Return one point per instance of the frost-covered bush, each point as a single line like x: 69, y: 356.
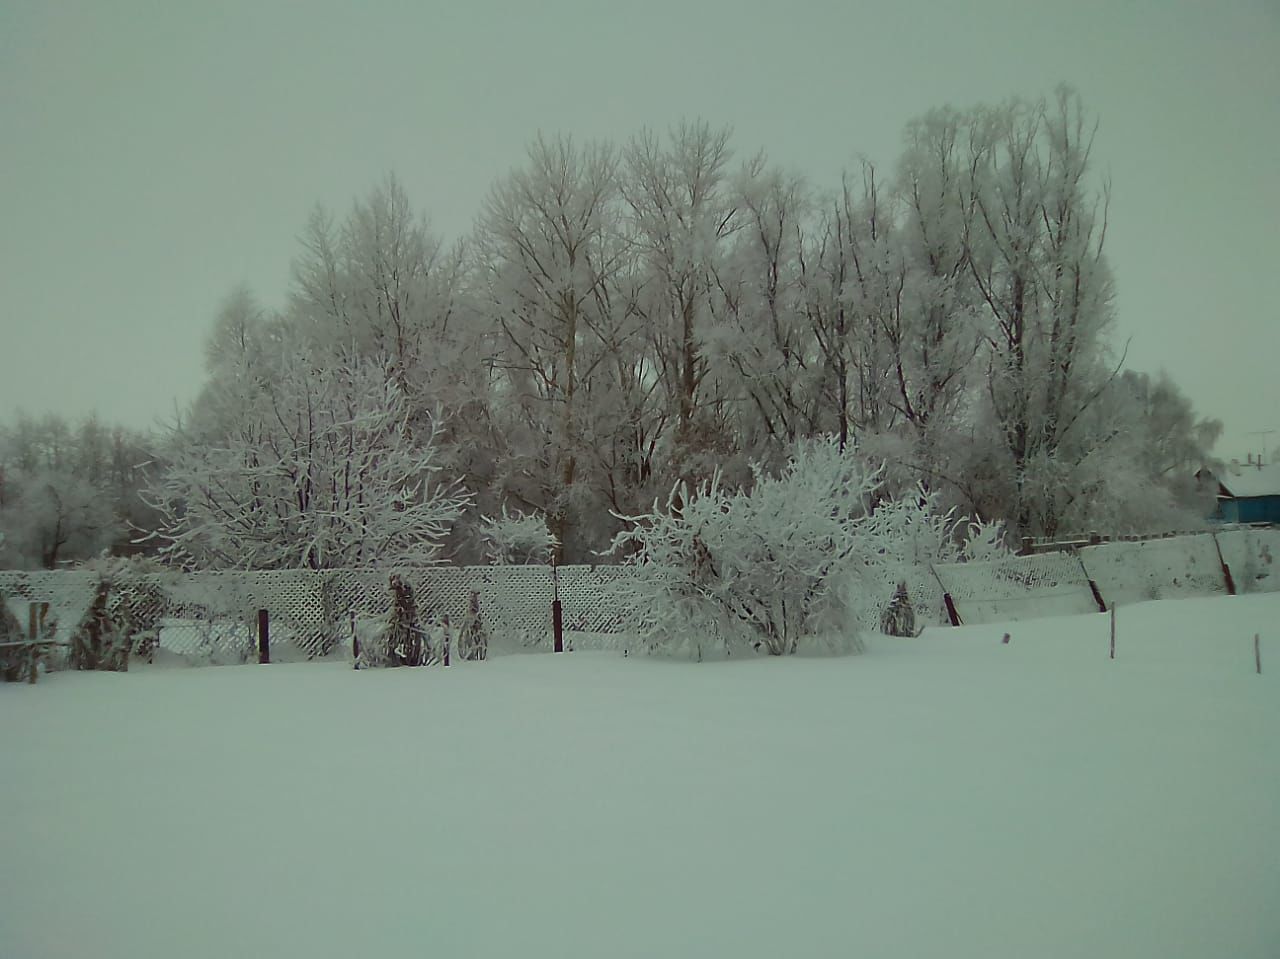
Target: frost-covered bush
x: 517, y: 539
x: 722, y: 570
x: 137, y: 597
x: 11, y: 660
x: 899, y: 618
x: 808, y: 556
x: 985, y: 542
x: 400, y: 640
x: 915, y: 531
x: 473, y: 640
x: 102, y: 639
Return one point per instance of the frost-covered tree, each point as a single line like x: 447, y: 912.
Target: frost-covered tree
x: 1035, y: 251
x: 1145, y: 445
x: 67, y: 492
x: 290, y: 462
x: 842, y: 316
x: 54, y: 517
x: 682, y: 213
x: 381, y: 284
x: 551, y: 258
x: 766, y: 348
x: 625, y: 318
x: 937, y: 340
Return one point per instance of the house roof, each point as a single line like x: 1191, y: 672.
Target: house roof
x: 1248, y: 482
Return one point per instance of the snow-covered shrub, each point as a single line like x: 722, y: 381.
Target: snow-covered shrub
x: 473, y: 640
x: 985, y: 542
x: 137, y: 597
x: 517, y: 539
x: 808, y: 556
x: 102, y: 639
x: 764, y: 570
x: 10, y: 632
x: 401, y: 640
x: 915, y: 531
x: 899, y: 617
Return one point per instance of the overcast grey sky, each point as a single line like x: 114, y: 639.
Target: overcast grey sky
x: 154, y: 155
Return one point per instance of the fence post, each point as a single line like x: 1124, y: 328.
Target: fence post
x: 1093, y: 586
x: 952, y: 614
x: 1226, y: 570
x: 1257, y: 653
x: 264, y: 637
x: 557, y: 612
x: 946, y: 598
x: 1113, y: 630
x: 1097, y: 597
x: 447, y: 637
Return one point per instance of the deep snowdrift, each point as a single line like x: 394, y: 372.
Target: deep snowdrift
x: 947, y: 796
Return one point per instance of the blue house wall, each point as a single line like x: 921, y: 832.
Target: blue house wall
x: 1254, y: 509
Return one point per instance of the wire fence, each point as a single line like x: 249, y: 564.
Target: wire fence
x: 213, y: 617
x: 1089, y: 578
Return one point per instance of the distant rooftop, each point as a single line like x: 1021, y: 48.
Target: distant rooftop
x: 1248, y: 480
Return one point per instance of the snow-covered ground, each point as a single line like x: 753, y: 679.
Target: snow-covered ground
x: 949, y: 796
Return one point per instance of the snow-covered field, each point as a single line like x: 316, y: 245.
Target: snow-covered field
x: 949, y: 796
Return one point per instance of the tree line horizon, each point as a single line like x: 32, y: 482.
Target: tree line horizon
x: 623, y: 318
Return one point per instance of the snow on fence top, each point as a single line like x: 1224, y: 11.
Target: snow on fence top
x: 1018, y: 587
x: 67, y: 593
x: 1155, y: 569
x: 1253, y: 556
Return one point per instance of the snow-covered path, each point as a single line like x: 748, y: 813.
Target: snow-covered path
x: 948, y: 796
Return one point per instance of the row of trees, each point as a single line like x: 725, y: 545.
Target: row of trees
x: 626, y: 317
x: 69, y: 492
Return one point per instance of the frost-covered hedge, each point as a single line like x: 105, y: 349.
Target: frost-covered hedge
x: 806, y: 558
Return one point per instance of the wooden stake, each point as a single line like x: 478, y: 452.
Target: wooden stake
x: 264, y: 638
x: 1113, y: 630
x: 952, y: 614
x: 355, y: 641
x: 1257, y: 653
x: 557, y: 612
